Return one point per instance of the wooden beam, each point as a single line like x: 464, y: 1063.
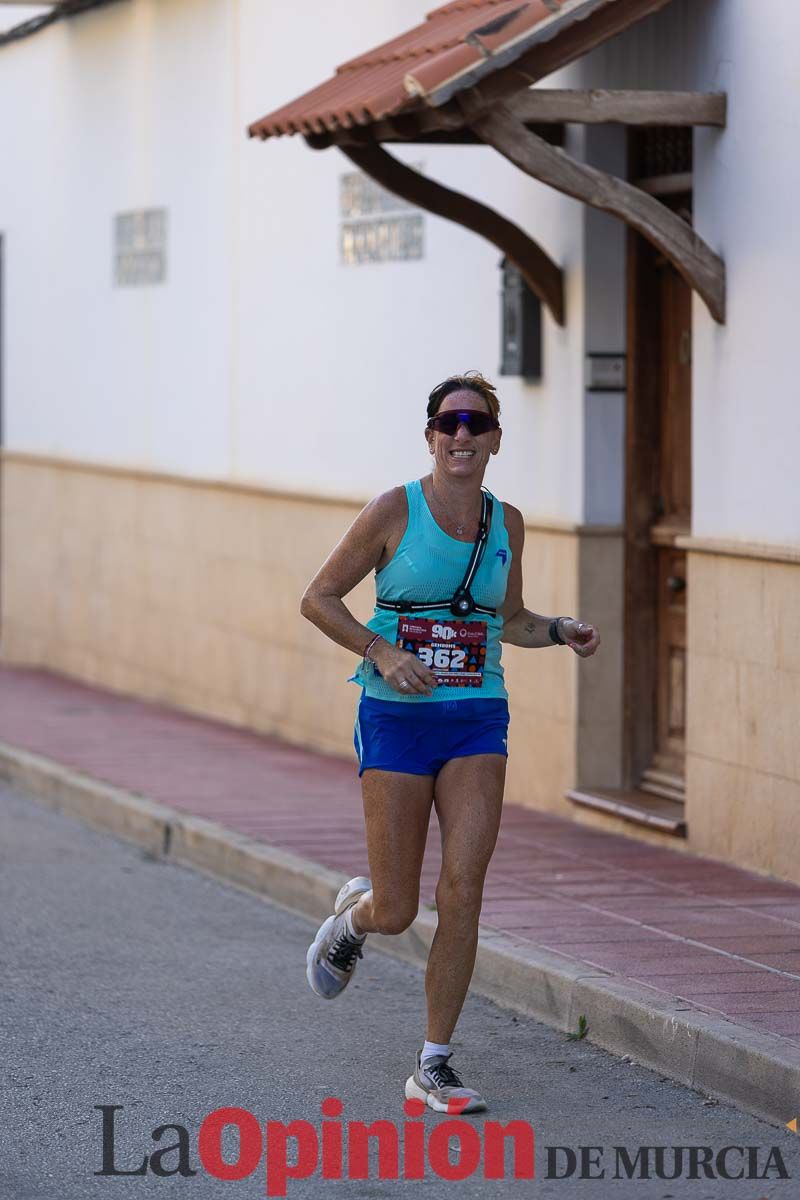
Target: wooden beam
x: 702, y: 269
x: 541, y: 105
x: 538, y: 108
x: 429, y: 127
x: 545, y: 111
x: 389, y: 132
x: 544, y: 277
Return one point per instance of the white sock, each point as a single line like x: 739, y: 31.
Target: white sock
x: 348, y: 920
x: 433, y: 1050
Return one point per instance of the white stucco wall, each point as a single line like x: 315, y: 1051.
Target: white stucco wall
x: 747, y: 418
x: 127, y: 107
x: 262, y: 358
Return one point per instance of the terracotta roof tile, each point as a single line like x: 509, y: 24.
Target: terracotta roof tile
x: 435, y: 35
x: 456, y: 44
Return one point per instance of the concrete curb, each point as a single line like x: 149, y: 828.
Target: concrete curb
x: 759, y: 1072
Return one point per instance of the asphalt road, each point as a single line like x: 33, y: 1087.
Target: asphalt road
x: 126, y: 981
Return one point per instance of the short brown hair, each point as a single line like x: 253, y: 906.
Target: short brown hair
x: 471, y: 381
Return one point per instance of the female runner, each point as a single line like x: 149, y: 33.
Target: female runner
x: 432, y: 721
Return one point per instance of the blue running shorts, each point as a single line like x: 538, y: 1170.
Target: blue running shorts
x: 420, y: 739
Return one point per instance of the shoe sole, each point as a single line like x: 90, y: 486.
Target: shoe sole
x: 348, y: 895
x: 415, y: 1092
x: 312, y: 950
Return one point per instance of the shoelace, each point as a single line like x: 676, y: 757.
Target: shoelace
x: 442, y: 1073
x: 344, y: 952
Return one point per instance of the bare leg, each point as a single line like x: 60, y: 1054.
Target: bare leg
x: 469, y: 802
x: 397, y: 810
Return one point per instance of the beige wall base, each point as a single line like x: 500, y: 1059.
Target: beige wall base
x: 601, y: 573
x: 743, y: 761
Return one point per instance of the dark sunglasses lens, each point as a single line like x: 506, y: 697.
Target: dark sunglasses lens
x: 476, y: 422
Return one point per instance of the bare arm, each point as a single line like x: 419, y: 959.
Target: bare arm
x: 356, y: 555
x: 521, y: 627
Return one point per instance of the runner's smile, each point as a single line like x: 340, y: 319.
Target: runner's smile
x: 463, y: 453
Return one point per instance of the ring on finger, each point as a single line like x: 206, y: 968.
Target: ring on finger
x: 403, y: 683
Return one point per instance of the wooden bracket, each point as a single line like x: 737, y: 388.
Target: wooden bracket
x: 702, y: 269
x: 544, y: 277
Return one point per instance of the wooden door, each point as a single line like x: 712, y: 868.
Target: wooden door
x: 658, y: 511
x: 673, y: 506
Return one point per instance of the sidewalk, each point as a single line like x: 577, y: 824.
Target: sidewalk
x: 687, y: 965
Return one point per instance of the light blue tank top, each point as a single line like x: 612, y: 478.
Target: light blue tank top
x: 429, y: 565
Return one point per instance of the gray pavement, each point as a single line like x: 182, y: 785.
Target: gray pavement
x: 129, y: 981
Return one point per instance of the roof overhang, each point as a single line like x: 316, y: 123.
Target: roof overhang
x: 466, y: 74
x: 496, y: 47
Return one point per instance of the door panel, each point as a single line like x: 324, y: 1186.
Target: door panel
x: 658, y: 511
x: 673, y: 506
x: 675, y: 473
x: 671, y: 661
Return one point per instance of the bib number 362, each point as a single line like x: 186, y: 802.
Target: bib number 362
x: 442, y: 658
x: 454, y: 650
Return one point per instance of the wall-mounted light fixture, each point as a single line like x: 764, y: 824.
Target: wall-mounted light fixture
x: 521, y: 336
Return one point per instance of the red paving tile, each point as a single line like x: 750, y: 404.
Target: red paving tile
x: 530, y: 903
x: 545, y: 934
x: 786, y: 962
x: 766, y: 942
x: 784, y: 912
x: 695, y: 984
x: 784, y: 1001
x: 519, y: 921
x: 785, y: 1024
x: 633, y: 892
x: 716, y: 923
x: 632, y: 962
x: 666, y: 902
x: 617, y: 905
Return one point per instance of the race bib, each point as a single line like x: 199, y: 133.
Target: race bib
x: 454, y: 650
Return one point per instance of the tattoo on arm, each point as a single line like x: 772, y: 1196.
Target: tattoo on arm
x: 530, y: 627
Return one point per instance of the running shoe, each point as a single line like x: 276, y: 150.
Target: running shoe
x: 333, y: 955
x: 438, y: 1085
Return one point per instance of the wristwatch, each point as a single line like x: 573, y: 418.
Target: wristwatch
x: 555, y: 636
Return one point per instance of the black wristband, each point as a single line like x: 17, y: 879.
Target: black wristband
x: 555, y: 636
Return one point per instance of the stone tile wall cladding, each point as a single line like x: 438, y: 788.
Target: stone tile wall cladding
x: 743, y: 762
x: 189, y: 594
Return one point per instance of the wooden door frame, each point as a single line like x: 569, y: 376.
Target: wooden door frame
x: 643, y: 450
x: 642, y: 435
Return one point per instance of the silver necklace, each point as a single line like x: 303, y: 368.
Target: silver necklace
x: 460, y: 529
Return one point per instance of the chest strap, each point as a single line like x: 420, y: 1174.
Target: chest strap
x: 399, y: 607
x: 461, y: 604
